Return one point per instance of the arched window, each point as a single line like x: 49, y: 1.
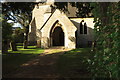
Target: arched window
x: 81, y: 28
x: 85, y: 28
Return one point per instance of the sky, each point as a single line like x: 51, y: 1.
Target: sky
x: 15, y: 24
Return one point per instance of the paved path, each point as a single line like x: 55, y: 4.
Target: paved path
x: 43, y: 66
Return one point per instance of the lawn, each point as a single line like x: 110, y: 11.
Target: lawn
x: 29, y: 50
x: 13, y: 59
x: 73, y: 63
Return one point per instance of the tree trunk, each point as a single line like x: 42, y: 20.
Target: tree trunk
x: 13, y: 46
x: 5, y: 47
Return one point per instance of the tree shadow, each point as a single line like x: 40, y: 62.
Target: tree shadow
x: 73, y: 63
x: 12, y: 62
x: 55, y: 65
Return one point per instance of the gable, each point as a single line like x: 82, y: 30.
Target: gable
x: 62, y: 18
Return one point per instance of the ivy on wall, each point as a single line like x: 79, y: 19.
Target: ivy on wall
x: 106, y: 57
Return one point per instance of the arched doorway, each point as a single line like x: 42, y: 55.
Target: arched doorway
x: 57, y: 37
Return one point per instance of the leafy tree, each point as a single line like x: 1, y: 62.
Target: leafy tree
x: 6, y: 35
x: 16, y: 37
x: 106, y: 58
x: 61, y: 5
x: 19, y: 12
x: 83, y: 8
x: 19, y: 35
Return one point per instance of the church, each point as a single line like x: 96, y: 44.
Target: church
x: 53, y: 27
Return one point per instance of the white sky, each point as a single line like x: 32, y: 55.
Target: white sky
x: 15, y: 24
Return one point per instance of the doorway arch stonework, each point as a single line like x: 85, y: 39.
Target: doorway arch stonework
x: 57, y: 37
x: 55, y: 26
x: 66, y: 25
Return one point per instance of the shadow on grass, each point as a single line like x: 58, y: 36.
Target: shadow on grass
x: 73, y: 63
x: 69, y: 64
x: 14, y: 59
x: 12, y: 62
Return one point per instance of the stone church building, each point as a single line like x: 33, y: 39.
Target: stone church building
x: 53, y: 27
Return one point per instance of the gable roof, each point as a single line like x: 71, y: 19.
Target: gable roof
x: 61, y: 17
x: 47, y: 20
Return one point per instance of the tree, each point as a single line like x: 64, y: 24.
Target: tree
x: 6, y: 35
x: 13, y: 11
x: 83, y: 8
x: 19, y: 35
x: 106, y: 57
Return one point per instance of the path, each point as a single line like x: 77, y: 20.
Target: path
x: 43, y: 66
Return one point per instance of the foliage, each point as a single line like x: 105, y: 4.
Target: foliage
x: 6, y: 30
x: 106, y: 58
x: 13, y: 11
x: 6, y: 34
x: 83, y: 9
x: 19, y: 12
x: 18, y: 35
x: 61, y: 5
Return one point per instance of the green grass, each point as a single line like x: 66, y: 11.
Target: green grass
x: 70, y: 64
x: 14, y: 59
x: 30, y: 50
x: 73, y: 63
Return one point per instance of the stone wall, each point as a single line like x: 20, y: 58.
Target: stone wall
x: 83, y: 40
x: 39, y: 16
x: 39, y: 12
x: 67, y: 26
x: 32, y: 33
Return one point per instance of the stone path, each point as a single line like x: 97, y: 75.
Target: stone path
x: 43, y: 66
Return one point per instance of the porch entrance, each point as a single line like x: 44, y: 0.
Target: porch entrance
x: 58, y: 37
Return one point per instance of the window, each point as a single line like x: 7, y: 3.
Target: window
x: 83, y: 27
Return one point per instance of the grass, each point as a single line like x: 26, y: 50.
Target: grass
x: 73, y: 63
x: 29, y: 50
x: 14, y: 59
